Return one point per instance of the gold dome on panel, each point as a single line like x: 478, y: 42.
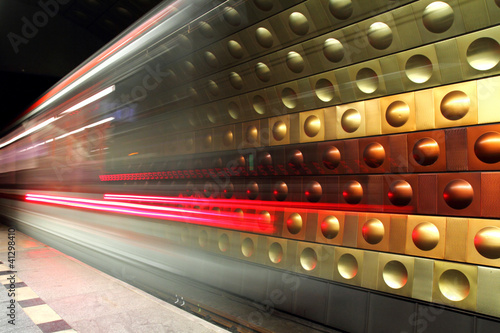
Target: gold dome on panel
x: 295, y: 62
x: 223, y: 242
x: 265, y: 5
x: 425, y: 236
x: 279, y: 130
x: 263, y: 72
x: 380, y: 35
x: 210, y: 59
x: 352, y: 192
x: 374, y: 155
x: 294, y: 223
x: 333, y: 50
x: 426, y: 151
x: 264, y: 37
x: 331, y: 158
x: 234, y: 110
x: 252, y: 134
x: 438, y: 17
x: 247, y: 247
x: 308, y: 259
x: 487, y: 242
x: 313, y: 191
x: 206, y: 30
x: 298, y: 23
x: 324, y: 90
x: 259, y: 104
x: 280, y: 191
x: 340, y: 9
x: 289, y: 98
x: 397, y: 114
x: 228, y: 138
x: 351, y: 120
x: 275, y: 253
x: 373, y: 231
x: 235, y: 80
x: 400, y: 193
x: 312, y: 126
x: 455, y: 105
x: 458, y: 194
x: 235, y: 49
x: 487, y: 147
x: 330, y: 227
x: 231, y: 16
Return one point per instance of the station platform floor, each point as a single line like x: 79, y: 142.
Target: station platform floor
x: 52, y: 292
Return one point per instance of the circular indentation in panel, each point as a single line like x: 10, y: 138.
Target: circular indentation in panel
x: 308, y: 259
x: 425, y: 236
x: 426, y: 151
x: 438, y: 17
x: 298, y: 23
x: 294, y: 223
x: 265, y: 5
x: 235, y: 49
x: 207, y: 141
x: 247, y: 247
x: 373, y: 231
x: 487, y: 242
x: 295, y: 159
x: 295, y: 62
x: 211, y: 59
x: 455, y: 105
x: 340, y: 9
x: 213, y: 88
x: 395, y: 274
x: 279, y: 130
x: 312, y: 125
x: 330, y: 227
x: 275, y: 253
x: 418, y: 68
x: 351, y: 120
x: 313, y: 191
x: 206, y: 30
x: 458, y: 194
x: 379, y: 35
x: 367, y: 80
x: 289, y: 98
x: 228, y: 191
x: 331, y: 158
x: 252, y: 190
x: 228, y: 138
x: 185, y: 42
x: 280, y: 191
x: 454, y: 285
x: 231, y: 16
x: 324, y: 90
x: 234, y: 110
x: 483, y: 54
x: 203, y: 238
x: 212, y: 115
x: 264, y: 37
x: 208, y: 189
x: 223, y: 243
x: 259, y: 104
x: 487, y: 147
x: 347, y: 266
x: 263, y: 72
x: 236, y: 80
x: 397, y: 113
x: 252, y: 134
x: 352, y: 192
x: 374, y: 155
x: 333, y: 50
x: 400, y: 193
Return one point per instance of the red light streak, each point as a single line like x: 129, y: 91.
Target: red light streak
x: 256, y: 204
x: 252, y: 222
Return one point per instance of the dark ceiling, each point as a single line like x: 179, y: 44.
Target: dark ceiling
x: 43, y: 40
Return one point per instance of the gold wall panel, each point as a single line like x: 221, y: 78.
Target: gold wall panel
x: 312, y: 126
x: 455, y: 285
x: 311, y: 259
x: 483, y: 242
x: 456, y: 238
x: 488, y: 282
x: 324, y: 89
x: 330, y: 228
x: 426, y: 236
x: 395, y: 274
x: 350, y: 120
x: 423, y: 279
x: 249, y: 247
x: 279, y: 130
x: 295, y: 223
x: 374, y: 232
x: 370, y: 269
x: 419, y: 68
x: 487, y: 91
x: 367, y: 79
x: 456, y: 105
x: 398, y: 113
x: 372, y: 114
x: 277, y: 253
x: 348, y: 266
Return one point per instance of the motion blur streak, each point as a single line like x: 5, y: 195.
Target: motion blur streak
x: 253, y: 204
x: 226, y: 220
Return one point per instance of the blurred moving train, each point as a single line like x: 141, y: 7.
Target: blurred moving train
x: 336, y: 160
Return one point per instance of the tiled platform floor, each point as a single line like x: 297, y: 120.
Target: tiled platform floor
x: 57, y: 293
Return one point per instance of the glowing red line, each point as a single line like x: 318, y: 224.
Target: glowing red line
x: 258, y: 204
x: 181, y: 215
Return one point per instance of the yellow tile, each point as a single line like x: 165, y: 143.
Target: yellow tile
x: 41, y: 314
x: 25, y: 293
